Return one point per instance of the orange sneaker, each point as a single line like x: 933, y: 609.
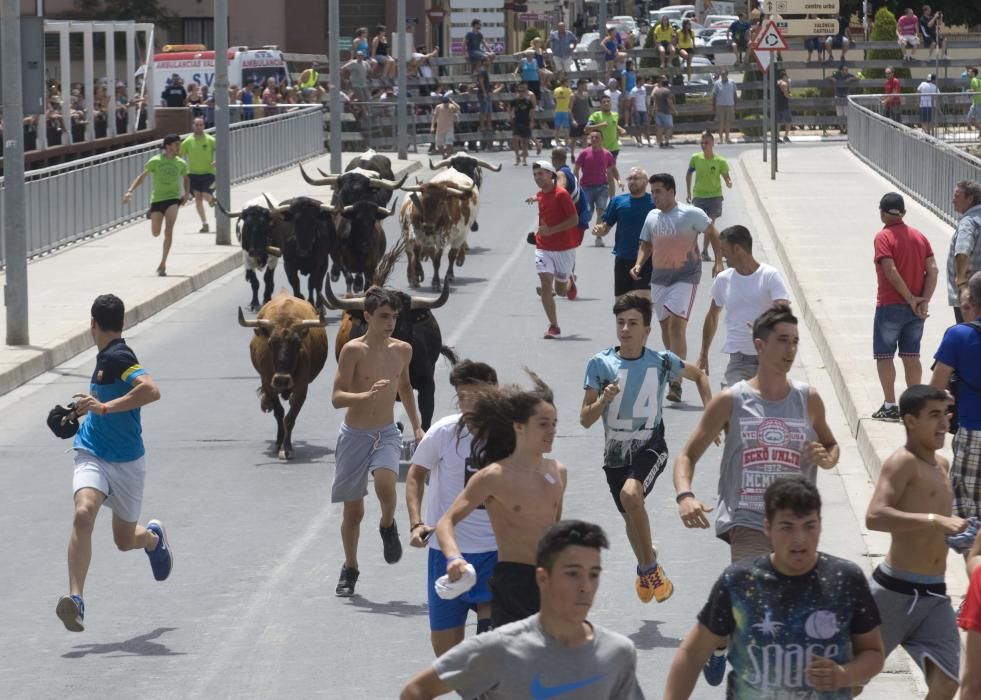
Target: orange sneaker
x: 655, y: 584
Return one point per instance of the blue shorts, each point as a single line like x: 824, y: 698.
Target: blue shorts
x: 640, y: 118
x: 896, y: 325
x: 486, y: 105
x: 448, y: 614
x: 664, y: 121
x: 561, y: 120
x: 926, y: 115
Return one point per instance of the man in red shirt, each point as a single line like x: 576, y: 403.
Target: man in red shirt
x: 907, y: 276
x: 891, y: 104
x: 556, y: 240
x: 970, y: 622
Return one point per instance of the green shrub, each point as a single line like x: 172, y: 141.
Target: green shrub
x: 530, y: 33
x: 884, y: 29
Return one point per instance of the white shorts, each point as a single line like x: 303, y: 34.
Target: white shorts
x: 562, y: 64
x: 249, y: 263
x: 558, y: 263
x: 444, y: 138
x: 673, y: 300
x: 121, y: 482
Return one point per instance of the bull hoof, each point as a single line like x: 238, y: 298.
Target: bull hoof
x: 473, y: 226
x: 254, y: 306
x: 435, y: 283
x: 285, y: 454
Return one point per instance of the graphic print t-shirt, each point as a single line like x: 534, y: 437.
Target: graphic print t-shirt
x: 167, y: 174
x: 631, y: 418
x: 674, y: 248
x: 777, y: 622
x: 447, y: 457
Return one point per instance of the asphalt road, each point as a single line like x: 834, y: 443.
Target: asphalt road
x: 250, y: 611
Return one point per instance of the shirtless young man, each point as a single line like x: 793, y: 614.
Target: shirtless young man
x: 522, y: 491
x: 371, y: 370
x: 913, y: 501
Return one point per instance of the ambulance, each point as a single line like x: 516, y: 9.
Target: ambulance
x: 196, y: 64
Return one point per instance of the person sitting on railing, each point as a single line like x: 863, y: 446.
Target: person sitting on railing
x: 908, y: 33
x: 544, y: 74
x: 685, y: 44
x: 611, y: 48
x: 838, y: 41
x: 738, y: 34
x: 421, y: 69
x: 930, y: 29
x: 379, y: 53
x: 815, y: 43
x: 664, y: 39
x: 476, y: 47
x: 195, y: 100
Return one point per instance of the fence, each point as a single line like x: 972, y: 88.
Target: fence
x: 69, y: 202
x: 911, y: 148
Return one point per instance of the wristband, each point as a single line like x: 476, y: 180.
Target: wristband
x: 105, y: 409
x: 450, y: 560
x: 682, y: 496
x: 412, y: 528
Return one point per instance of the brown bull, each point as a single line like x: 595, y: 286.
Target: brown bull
x: 288, y: 351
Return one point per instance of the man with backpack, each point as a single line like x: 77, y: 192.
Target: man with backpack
x: 960, y: 354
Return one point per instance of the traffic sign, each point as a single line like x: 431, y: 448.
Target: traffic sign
x: 530, y: 17
x: 436, y: 15
x: 763, y: 59
x: 807, y: 27
x: 800, y: 7
x: 771, y: 39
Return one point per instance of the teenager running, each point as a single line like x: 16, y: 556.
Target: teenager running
x: 625, y: 385
x: 709, y: 169
x: 198, y: 150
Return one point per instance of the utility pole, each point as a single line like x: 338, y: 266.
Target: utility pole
x: 601, y: 30
x: 403, y: 102
x: 223, y: 180
x: 334, y: 61
x: 14, y: 209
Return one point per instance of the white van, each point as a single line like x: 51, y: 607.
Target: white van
x: 196, y: 64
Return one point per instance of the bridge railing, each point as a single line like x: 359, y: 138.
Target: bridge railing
x: 69, y: 202
x: 925, y: 154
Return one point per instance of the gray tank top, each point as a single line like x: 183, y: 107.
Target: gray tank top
x: 765, y: 441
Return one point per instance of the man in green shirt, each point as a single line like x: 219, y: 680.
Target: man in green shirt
x: 709, y: 170
x: 198, y: 150
x: 974, y: 114
x: 607, y: 122
x: 168, y: 170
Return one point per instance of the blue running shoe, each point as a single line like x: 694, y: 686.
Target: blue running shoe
x: 715, y: 668
x: 161, y: 558
x: 71, y: 611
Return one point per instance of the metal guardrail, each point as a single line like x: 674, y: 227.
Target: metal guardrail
x: 925, y: 166
x: 66, y: 203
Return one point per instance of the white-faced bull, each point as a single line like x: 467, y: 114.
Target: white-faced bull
x: 306, y: 243
x: 416, y: 326
x: 469, y: 166
x: 288, y: 351
x: 437, y: 215
x: 258, y: 231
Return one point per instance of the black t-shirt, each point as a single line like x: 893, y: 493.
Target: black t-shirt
x: 929, y: 33
x: 777, y: 622
x: 522, y: 110
x: 174, y: 95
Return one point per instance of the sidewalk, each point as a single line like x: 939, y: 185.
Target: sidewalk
x: 124, y: 262
x: 821, y: 213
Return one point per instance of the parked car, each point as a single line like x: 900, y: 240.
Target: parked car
x: 584, y: 54
x: 704, y: 43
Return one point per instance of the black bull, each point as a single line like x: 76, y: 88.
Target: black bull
x: 259, y: 232
x: 307, y: 244
x: 416, y: 326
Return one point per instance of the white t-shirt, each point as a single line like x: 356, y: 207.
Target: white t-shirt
x: 448, y: 460
x: 744, y: 298
x: 639, y: 96
x: 614, y: 96
x: 927, y: 90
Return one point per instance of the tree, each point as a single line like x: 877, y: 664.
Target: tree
x: 530, y: 33
x: 884, y: 29
x: 964, y: 12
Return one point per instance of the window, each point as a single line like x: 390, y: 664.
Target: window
x: 199, y: 30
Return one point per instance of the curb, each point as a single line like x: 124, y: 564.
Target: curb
x: 51, y: 357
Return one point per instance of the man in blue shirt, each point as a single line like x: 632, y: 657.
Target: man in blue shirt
x: 960, y: 352
x: 109, y: 464
x: 625, y: 385
x: 627, y: 212
x: 739, y: 36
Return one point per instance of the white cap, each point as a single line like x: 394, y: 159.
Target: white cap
x: 545, y: 165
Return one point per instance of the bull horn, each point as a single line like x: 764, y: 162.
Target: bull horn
x: 348, y: 209
x: 489, y: 166
x: 427, y: 303
x: 313, y: 323
x: 274, y: 251
x: 442, y: 164
x: 327, y: 180
x: 388, y: 184
x: 329, y: 208
x: 331, y: 301
x: 273, y: 207
x: 388, y: 212
x: 250, y: 323
x: 230, y: 215
x: 460, y: 192
x: 413, y: 188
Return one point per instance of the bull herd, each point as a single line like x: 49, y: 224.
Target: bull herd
x: 289, y: 347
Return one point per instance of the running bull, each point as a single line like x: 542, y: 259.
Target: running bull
x: 469, y: 166
x: 259, y: 230
x: 435, y: 216
x: 307, y: 242
x: 416, y: 326
x: 288, y: 351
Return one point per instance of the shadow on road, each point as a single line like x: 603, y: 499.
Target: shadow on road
x: 303, y: 453
x: 649, y: 637
x: 464, y: 281
x: 137, y: 646
x: 397, y: 608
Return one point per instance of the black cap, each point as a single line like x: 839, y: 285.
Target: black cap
x: 892, y: 203
x: 171, y: 138
x: 63, y: 421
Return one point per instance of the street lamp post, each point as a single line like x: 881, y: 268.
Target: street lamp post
x: 223, y: 180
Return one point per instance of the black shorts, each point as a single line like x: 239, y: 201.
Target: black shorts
x: 162, y: 206
x: 522, y: 131
x: 645, y: 466
x: 204, y: 183
x: 514, y: 592
x: 578, y: 130
x: 623, y: 282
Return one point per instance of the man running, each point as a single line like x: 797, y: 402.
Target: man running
x: 198, y: 150
x: 167, y: 170
x: 371, y: 371
x: 670, y: 235
x: 554, y: 653
x: 522, y: 491
x: 709, y: 170
x: 444, y: 457
x: 556, y: 240
x: 775, y: 426
x: 109, y: 459
x: 745, y: 290
x: 625, y: 386
x: 802, y: 623
x: 597, y: 171
x: 628, y: 212
x: 607, y: 123
x: 913, y: 501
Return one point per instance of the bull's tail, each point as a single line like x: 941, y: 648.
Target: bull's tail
x: 448, y: 353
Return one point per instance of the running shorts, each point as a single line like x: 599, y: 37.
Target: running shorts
x: 359, y: 453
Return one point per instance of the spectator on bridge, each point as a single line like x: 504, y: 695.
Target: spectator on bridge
x: 544, y: 74
x: 561, y: 43
x: 475, y: 45
x: 907, y: 276
x: 246, y: 97
x: 930, y: 24
x: 380, y: 54
x: 270, y: 94
x: 908, y: 33
x: 638, y: 99
x: 529, y: 72
x: 838, y: 41
x: 841, y: 79
x: 421, y: 68
x: 974, y: 113
x: 615, y: 93
x: 724, y: 104
x: 611, y: 49
x: 664, y: 39
x: 357, y: 71
x: 964, y: 257
x: 174, y: 94
x: 738, y: 35
x: 580, y: 110
x: 785, y: 117
x: 814, y: 43
x: 685, y: 44
x: 485, y: 101
x: 444, y: 119
x: 195, y: 100
x: 664, y: 111
x: 929, y: 109
x: 360, y: 43
x: 628, y: 81
x: 892, y: 103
